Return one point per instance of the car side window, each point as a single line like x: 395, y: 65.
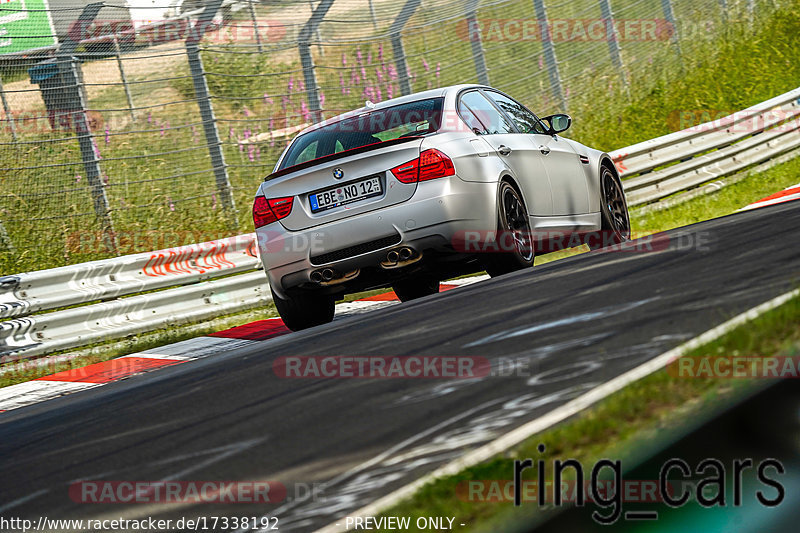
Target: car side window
x: 485, y: 112
x: 470, y: 119
x: 525, y: 121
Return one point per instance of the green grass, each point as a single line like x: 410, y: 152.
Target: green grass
x: 723, y: 202
x: 619, y: 426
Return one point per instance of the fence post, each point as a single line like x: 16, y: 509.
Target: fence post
x: 611, y: 38
x: 320, y: 50
x: 9, y: 118
x: 307, y: 61
x: 255, y: 25
x: 75, y: 98
x: 124, y: 78
x: 549, y: 52
x: 474, y: 36
x: 372, y: 14
x: 669, y: 15
x: 206, y: 111
x: 397, y: 45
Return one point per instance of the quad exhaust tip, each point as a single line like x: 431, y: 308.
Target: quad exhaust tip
x: 401, y: 257
x: 330, y: 276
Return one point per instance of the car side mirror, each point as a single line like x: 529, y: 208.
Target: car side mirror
x: 557, y: 123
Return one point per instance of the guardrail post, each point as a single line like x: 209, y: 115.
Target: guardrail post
x: 611, y: 37
x: 206, y: 110
x: 398, y: 51
x: 75, y: 98
x: 549, y: 52
x: 255, y: 25
x: 307, y: 61
x: 474, y: 36
x: 124, y: 78
x: 9, y: 117
x: 669, y: 15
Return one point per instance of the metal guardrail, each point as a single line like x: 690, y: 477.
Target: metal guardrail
x: 657, y: 168
x: 113, y: 298
x: 113, y: 289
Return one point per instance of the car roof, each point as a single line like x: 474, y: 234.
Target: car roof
x: 422, y: 95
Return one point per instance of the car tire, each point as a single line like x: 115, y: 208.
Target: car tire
x: 616, y: 223
x: 411, y: 289
x: 512, y: 217
x: 304, y: 310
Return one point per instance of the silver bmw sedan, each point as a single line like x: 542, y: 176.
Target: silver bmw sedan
x: 422, y: 188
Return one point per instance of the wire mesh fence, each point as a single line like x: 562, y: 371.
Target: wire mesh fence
x: 127, y: 128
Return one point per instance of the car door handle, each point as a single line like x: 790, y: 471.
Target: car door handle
x: 544, y: 149
x: 503, y: 149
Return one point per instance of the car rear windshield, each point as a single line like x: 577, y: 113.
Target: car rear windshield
x: 371, y: 127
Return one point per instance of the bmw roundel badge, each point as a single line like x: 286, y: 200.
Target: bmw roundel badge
x: 338, y: 173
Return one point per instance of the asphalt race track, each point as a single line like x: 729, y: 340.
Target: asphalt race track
x: 567, y: 326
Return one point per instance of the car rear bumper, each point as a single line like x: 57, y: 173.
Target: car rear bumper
x: 439, y: 211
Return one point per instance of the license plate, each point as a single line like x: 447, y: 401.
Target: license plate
x: 345, y: 194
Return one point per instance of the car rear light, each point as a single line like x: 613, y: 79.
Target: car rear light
x: 267, y: 211
x: 429, y: 165
x: 407, y: 172
x: 434, y: 164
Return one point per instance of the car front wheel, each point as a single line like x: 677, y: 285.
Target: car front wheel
x: 304, y: 310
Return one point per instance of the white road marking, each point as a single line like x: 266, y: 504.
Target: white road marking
x: 22, y: 394
x: 24, y: 499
